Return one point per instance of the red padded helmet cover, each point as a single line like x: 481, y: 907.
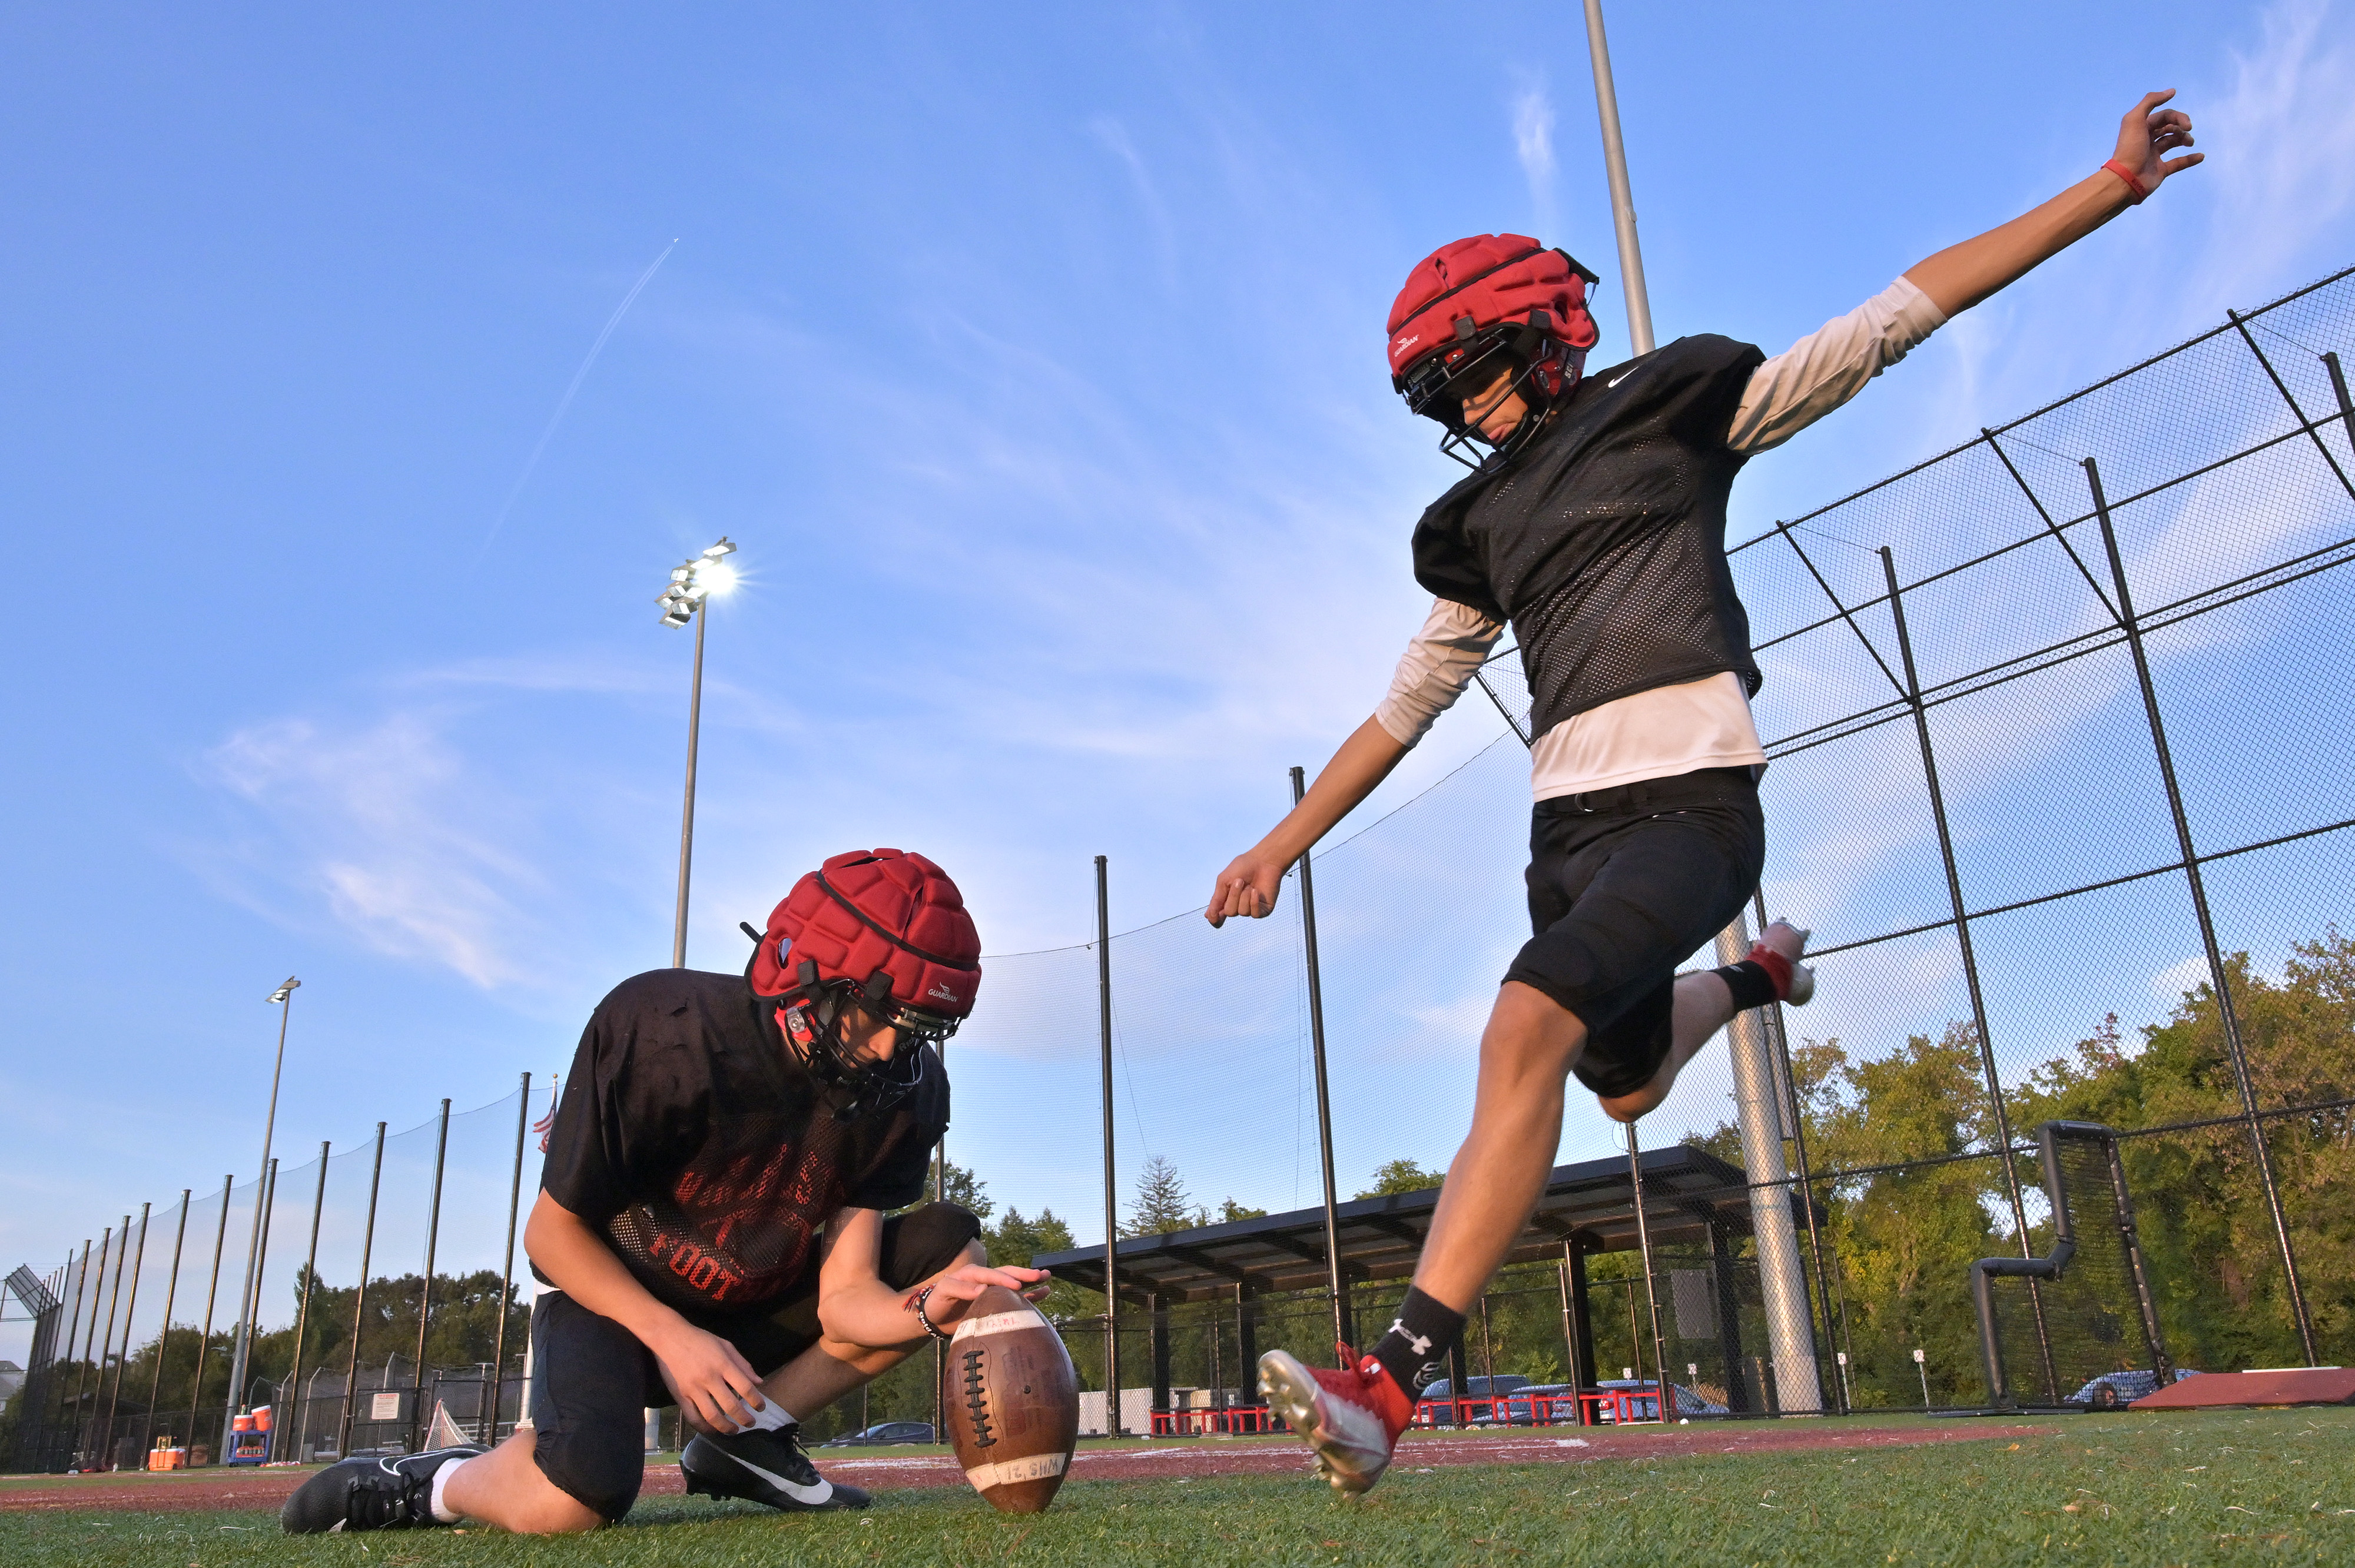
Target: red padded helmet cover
x: 887, y: 910
x: 1493, y: 279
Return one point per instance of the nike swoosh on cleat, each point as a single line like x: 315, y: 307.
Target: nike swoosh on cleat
x: 794, y: 1490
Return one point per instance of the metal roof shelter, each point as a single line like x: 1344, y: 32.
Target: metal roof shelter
x: 1691, y: 1200
x: 1685, y: 1190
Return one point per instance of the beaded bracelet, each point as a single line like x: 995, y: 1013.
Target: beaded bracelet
x: 916, y: 1305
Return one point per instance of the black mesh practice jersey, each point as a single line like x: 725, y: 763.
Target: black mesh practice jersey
x: 707, y: 1157
x: 1603, y: 540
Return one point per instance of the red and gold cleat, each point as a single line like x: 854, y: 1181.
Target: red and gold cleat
x: 1352, y: 1418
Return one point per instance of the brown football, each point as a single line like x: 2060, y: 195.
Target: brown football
x: 1012, y: 1400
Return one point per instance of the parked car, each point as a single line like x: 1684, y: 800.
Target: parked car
x: 1646, y: 1406
x: 1478, y: 1387
x: 883, y: 1432
x: 1540, y: 1405
x: 2116, y: 1389
x: 1483, y: 1389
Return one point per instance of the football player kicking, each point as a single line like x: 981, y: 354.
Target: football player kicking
x: 710, y: 1232
x: 1595, y: 525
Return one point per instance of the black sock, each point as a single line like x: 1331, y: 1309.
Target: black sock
x: 1415, y: 1350
x: 1751, y: 984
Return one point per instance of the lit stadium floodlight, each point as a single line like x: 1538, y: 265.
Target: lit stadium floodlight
x: 692, y: 584
x: 696, y: 581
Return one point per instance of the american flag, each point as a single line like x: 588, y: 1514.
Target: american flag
x: 541, y: 1127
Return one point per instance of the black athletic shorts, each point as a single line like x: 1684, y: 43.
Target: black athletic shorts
x: 1625, y: 885
x: 592, y: 1380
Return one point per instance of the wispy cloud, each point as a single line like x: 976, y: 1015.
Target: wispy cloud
x: 1533, y: 106
x: 381, y: 828
x: 2284, y: 148
x: 1113, y: 137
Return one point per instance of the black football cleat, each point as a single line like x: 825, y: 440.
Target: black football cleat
x: 766, y: 1467
x: 369, y: 1494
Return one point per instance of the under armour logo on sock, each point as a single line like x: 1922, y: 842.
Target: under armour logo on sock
x: 1419, y: 1343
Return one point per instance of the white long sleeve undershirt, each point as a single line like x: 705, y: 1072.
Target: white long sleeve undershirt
x: 1698, y: 723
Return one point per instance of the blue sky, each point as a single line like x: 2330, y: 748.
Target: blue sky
x: 1035, y: 362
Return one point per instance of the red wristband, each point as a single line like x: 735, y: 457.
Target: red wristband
x: 2134, y: 181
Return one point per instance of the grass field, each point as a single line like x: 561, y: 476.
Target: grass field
x: 2190, y: 1487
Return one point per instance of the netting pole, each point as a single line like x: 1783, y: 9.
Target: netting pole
x: 212, y: 1295
x: 1343, y: 1330
x: 2228, y: 1021
x: 2346, y: 404
x: 269, y: 1211
x: 122, y: 1357
x: 163, y: 1338
x: 1111, y: 1193
x: 1970, y: 958
x: 2297, y: 413
x: 490, y: 1425
x: 1780, y: 1036
x: 73, y: 1332
x: 90, y: 1430
x: 303, y: 1315
x: 425, y: 1294
x: 359, y: 1304
x: 1651, y: 1296
x: 2145, y: 1302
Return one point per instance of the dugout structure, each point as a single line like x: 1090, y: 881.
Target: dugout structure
x: 2049, y: 1325
x: 1215, y: 1297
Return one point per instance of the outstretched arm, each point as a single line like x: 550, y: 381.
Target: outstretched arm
x: 1960, y: 276
x: 1249, y: 885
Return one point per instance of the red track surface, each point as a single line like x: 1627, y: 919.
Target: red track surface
x: 266, y: 1489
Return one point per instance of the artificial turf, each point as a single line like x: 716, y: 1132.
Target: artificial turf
x: 2190, y: 1487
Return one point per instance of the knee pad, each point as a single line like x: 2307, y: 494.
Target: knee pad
x: 919, y: 1244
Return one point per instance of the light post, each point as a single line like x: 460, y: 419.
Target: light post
x: 1922, y: 1365
x: 691, y: 584
x: 284, y: 999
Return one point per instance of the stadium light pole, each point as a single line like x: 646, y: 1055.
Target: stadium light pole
x: 1785, y: 1286
x: 691, y: 587
x: 1623, y: 199
x: 284, y: 999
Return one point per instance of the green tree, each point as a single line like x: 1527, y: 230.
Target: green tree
x: 1230, y: 1212
x: 965, y: 1188
x: 2206, y: 1230
x: 1161, y: 1204
x: 1401, y: 1176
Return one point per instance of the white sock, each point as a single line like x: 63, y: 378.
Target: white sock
x: 771, y: 1416
x: 443, y: 1512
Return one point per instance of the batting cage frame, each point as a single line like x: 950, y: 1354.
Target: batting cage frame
x: 2071, y: 1293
